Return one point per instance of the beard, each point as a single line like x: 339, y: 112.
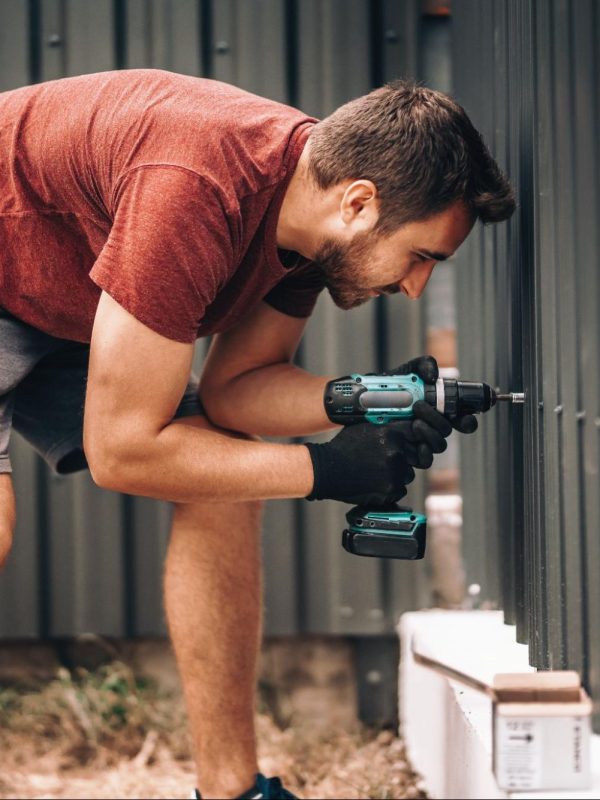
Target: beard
x: 343, y: 267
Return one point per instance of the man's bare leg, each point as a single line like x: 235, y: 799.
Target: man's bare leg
x: 213, y: 595
x: 7, y: 516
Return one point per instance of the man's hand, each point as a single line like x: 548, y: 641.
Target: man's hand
x: 7, y: 517
x: 364, y: 464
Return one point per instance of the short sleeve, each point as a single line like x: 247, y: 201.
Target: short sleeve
x: 169, y: 251
x: 296, y: 294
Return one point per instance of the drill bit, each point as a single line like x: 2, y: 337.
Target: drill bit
x: 511, y: 397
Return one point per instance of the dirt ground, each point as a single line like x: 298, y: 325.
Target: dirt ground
x: 107, y: 735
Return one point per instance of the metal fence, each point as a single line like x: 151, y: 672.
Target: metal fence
x: 91, y: 560
x: 529, y: 301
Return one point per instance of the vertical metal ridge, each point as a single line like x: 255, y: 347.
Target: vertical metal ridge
x: 34, y: 40
x: 129, y: 576
x: 291, y: 41
x: 45, y: 570
x: 206, y: 37
x: 376, y: 41
x: 119, y: 33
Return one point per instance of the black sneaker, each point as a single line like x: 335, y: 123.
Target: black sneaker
x: 263, y: 789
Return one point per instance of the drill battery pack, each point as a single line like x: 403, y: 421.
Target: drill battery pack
x: 394, y: 533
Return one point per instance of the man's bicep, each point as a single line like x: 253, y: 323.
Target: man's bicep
x: 264, y: 337
x: 136, y: 377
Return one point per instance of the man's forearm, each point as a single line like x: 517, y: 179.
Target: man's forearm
x: 183, y: 463
x: 277, y: 400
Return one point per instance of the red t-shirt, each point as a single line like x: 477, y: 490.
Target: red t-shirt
x: 161, y: 189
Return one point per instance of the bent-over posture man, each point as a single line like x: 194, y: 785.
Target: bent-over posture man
x: 140, y: 210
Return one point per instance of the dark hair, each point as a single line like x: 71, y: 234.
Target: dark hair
x: 419, y: 148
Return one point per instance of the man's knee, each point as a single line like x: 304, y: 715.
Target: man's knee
x: 247, y: 511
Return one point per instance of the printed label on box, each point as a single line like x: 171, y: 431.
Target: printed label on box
x: 519, y: 752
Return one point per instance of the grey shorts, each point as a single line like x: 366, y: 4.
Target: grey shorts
x: 42, y: 393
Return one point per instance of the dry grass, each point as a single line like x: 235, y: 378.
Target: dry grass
x: 100, y: 715
x: 109, y: 733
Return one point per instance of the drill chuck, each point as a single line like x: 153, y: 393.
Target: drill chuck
x: 451, y: 397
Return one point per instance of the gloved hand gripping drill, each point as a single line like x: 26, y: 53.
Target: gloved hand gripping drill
x: 411, y: 411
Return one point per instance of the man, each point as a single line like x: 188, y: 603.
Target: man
x: 140, y: 210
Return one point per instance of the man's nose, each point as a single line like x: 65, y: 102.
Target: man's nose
x: 416, y: 282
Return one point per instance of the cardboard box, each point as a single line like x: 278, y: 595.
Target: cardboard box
x: 541, y: 727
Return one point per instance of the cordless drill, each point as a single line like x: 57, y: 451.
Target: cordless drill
x: 398, y: 532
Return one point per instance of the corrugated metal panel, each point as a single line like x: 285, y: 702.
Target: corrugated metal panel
x: 249, y: 45
x: 542, y: 508
x: 162, y: 34
x: 22, y: 609
x: 15, y: 25
x: 586, y: 196
x: 100, y: 554
x: 76, y: 37
x: 473, y: 328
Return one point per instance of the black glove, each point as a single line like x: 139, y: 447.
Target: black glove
x: 364, y: 465
x: 427, y: 369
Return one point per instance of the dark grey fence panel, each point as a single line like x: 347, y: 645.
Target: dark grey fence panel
x: 162, y: 34
x: 586, y: 145
x: 75, y: 37
x: 89, y: 36
x: 546, y: 302
x: 85, y: 556
x: 145, y: 543
x: 401, y: 50
x: 14, y: 44
x: 249, y: 46
x: 22, y: 614
x: 334, y: 56
x: 546, y: 350
x: 473, y: 280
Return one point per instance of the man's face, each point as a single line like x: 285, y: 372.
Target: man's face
x: 371, y: 264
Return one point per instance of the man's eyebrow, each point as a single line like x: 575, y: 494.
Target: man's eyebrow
x: 435, y: 256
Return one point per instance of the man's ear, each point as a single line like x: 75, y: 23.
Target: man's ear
x: 359, y: 206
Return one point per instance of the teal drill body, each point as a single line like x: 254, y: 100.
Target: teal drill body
x: 384, y: 398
